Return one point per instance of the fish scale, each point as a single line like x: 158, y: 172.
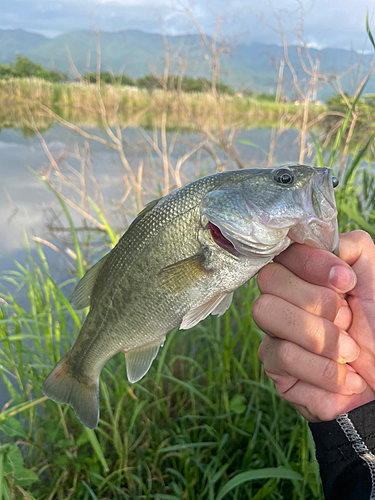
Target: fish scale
x: 180, y: 260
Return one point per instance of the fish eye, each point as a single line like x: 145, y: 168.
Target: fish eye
x: 335, y: 181
x: 284, y: 177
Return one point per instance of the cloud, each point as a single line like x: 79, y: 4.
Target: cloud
x: 340, y: 25
x: 130, y: 3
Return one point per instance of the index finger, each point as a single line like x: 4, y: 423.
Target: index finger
x: 318, y: 267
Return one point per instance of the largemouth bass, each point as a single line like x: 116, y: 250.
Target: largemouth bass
x: 180, y: 260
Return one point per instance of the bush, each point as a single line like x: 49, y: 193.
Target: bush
x: 107, y: 77
x: 23, y: 67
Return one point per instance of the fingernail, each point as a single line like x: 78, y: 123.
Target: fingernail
x: 348, y: 348
x: 344, y: 317
x: 342, y: 278
x: 355, y: 383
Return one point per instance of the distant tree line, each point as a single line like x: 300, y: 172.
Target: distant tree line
x: 23, y: 67
x: 151, y: 82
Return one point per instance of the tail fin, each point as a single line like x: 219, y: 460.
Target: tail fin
x: 63, y: 387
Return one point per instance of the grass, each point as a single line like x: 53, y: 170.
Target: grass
x: 79, y: 103
x: 204, y: 414
x: 204, y: 424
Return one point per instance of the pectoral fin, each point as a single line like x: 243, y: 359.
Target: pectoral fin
x: 178, y: 277
x: 82, y: 292
x: 223, y: 305
x: 217, y: 305
x: 139, y: 360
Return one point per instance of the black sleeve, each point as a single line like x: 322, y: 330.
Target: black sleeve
x: 344, y: 450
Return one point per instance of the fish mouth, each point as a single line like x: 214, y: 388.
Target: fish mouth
x: 259, y: 243
x: 221, y: 240
x: 319, y: 227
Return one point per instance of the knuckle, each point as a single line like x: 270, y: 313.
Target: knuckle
x: 317, y: 335
x: 330, y: 372
x: 329, y: 410
x: 306, y: 264
x: 263, y: 350
x: 267, y: 349
x: 287, y: 353
x: 261, y: 309
x: 363, y: 238
x: 266, y: 276
x: 325, y: 303
x: 312, y: 267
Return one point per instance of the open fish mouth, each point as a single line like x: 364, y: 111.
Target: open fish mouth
x: 319, y: 227
x: 311, y: 218
x: 260, y: 242
x: 221, y: 240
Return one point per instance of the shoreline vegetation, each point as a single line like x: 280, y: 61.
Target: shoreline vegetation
x: 78, y: 102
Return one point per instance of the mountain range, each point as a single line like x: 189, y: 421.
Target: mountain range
x: 136, y: 53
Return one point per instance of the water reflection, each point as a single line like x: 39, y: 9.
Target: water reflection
x: 25, y: 198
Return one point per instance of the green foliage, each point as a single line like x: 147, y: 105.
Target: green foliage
x: 364, y: 108
x: 188, y: 84
x: 13, y: 469
x: 23, y: 67
x: 149, y: 82
x: 266, y: 97
x: 109, y: 78
x: 355, y: 196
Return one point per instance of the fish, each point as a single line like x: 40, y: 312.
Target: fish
x: 180, y: 260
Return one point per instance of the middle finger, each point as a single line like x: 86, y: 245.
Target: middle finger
x: 277, y: 280
x: 281, y: 319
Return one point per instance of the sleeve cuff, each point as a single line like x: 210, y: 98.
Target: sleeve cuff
x: 344, y: 448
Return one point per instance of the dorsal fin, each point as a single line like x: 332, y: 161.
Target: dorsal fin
x: 82, y: 292
x: 143, y: 212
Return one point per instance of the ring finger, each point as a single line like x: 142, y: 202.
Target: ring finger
x: 283, y: 359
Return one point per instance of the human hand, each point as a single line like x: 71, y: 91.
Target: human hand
x: 318, y: 313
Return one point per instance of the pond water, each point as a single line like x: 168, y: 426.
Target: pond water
x: 25, y: 199
x: 26, y: 203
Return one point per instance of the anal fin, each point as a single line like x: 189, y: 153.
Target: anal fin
x: 139, y: 360
x: 217, y: 305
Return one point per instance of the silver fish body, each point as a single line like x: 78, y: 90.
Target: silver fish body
x: 180, y: 260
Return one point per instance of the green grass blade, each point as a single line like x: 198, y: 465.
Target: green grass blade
x: 269, y: 472
x: 318, y: 150
x: 93, y: 496
x: 357, y: 159
x: 369, y: 31
x: 97, y: 448
x: 345, y: 123
x: 350, y: 210
x: 2, y: 478
x: 77, y: 249
x: 112, y: 235
x: 252, y: 144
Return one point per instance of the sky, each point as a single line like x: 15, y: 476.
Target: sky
x: 334, y: 23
